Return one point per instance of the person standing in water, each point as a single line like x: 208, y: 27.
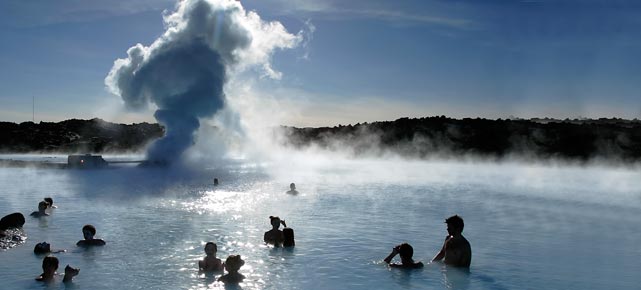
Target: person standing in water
x: 210, y: 263
x: 42, y: 207
x: 275, y: 236
x: 233, y: 264
x: 405, y: 251
x: 288, y: 237
x: 49, y: 267
x: 292, y: 189
x: 89, y: 231
x: 456, y: 250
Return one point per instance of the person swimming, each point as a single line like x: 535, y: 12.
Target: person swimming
x: 45, y: 248
x: 42, y: 207
x: 456, y: 250
x: 274, y: 236
x: 215, y: 181
x: 292, y: 189
x: 405, y: 251
x: 89, y: 231
x: 232, y: 265
x: 210, y: 263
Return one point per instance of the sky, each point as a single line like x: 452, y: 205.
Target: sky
x: 358, y: 61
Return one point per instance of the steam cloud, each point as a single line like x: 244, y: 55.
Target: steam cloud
x: 184, y: 72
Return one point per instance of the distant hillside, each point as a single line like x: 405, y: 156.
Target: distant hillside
x: 579, y: 139
x: 82, y: 136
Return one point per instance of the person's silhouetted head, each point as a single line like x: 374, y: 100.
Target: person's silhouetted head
x: 405, y: 251
x: 215, y: 181
x: 292, y: 186
x: 49, y: 200
x: 49, y: 264
x: 42, y: 205
x: 42, y: 248
x: 88, y: 231
x: 275, y: 221
x: 454, y: 224
x: 211, y: 248
x: 233, y: 263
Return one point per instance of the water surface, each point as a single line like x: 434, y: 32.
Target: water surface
x: 530, y: 226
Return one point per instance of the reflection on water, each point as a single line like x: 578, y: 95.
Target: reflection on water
x: 530, y: 227
x: 455, y: 278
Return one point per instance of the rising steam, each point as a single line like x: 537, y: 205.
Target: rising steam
x: 183, y: 73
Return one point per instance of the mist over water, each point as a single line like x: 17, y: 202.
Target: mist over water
x: 531, y: 226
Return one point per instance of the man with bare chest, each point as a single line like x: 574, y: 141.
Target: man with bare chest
x: 456, y: 250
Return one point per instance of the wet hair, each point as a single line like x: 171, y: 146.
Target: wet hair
x: 42, y: 248
x: 405, y: 250
x: 273, y: 218
x: 288, y: 234
x: 213, y: 244
x: 49, y: 200
x: 43, y: 204
x: 235, y: 262
x: 50, y: 261
x: 455, y: 221
x: 89, y: 228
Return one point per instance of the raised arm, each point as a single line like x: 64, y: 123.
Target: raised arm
x: 391, y: 256
x: 441, y: 253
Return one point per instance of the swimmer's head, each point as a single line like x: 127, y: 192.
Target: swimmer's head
x: 233, y: 263
x: 211, y: 248
x: 42, y: 205
x: 88, y: 231
x: 71, y: 271
x: 49, y: 200
x: 292, y: 186
x: 405, y: 251
x: 275, y: 221
x: 42, y: 248
x: 50, y: 263
x: 454, y: 224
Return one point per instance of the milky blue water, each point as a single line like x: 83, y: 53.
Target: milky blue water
x: 530, y: 226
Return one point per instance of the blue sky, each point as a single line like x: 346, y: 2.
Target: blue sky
x: 366, y: 60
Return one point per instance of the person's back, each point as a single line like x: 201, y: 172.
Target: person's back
x: 288, y: 237
x: 458, y: 252
x: 49, y: 267
x: 233, y: 264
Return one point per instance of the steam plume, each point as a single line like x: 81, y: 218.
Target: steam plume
x: 184, y: 72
